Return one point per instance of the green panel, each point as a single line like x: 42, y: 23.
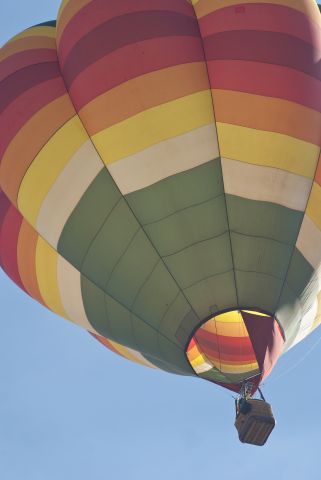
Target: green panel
x: 167, y: 367
x: 263, y: 235
x: 174, y: 316
x: 110, y: 244
x: 108, y: 317
x: 188, y: 226
x: 263, y: 219
x: 121, y: 323
x: 201, y: 261
x: 95, y: 307
x: 185, y: 218
x: 132, y: 270
x: 178, y: 192
x: 175, y: 356
x: 212, y: 295
x: 261, y: 255
x: 186, y: 328
x: 50, y: 23
x: 216, y: 376
x: 155, y: 296
x: 112, y: 320
x: 258, y: 290
x: 160, y: 350
x: 88, y: 217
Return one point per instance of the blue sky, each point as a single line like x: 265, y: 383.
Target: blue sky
x: 71, y: 410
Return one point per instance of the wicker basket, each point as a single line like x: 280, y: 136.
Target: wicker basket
x: 255, y: 426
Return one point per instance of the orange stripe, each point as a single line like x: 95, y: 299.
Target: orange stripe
x: 142, y: 93
x: 268, y: 114
x: 104, y: 341
x: 226, y: 329
x: 66, y: 13
x: 23, y: 44
x: 26, y: 253
x: 29, y: 141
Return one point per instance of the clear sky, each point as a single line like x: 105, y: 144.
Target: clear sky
x: 72, y: 410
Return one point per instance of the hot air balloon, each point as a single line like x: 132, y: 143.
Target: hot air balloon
x: 160, y: 178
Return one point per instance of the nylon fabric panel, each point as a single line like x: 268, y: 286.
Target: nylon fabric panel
x: 258, y: 131
x: 185, y: 218
x: 82, y: 226
x: 263, y: 236
x: 114, y: 321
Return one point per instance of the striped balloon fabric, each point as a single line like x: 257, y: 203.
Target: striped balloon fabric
x: 235, y: 346
x: 159, y: 169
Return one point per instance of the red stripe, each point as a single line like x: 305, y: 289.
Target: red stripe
x: 265, y: 17
x: 25, y: 79
x: 128, y: 62
x: 266, y: 47
x: 227, y: 349
x: 4, y: 207
x: 203, y: 335
x: 25, y: 106
x: 224, y: 356
x: 122, y: 31
x: 97, y: 12
x: 9, y: 235
x: 267, y: 80
x: 25, y: 59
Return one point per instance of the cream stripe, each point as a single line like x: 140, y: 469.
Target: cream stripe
x: 265, y: 184
x: 67, y: 191
x: 47, y: 165
x: 69, y: 283
x: 154, y: 126
x: 317, y: 319
x: 140, y: 358
x: 165, y: 159
x: 268, y: 149
x: 306, y: 324
x: 131, y: 354
x: 46, y: 268
x: 309, y: 242
x: 205, y: 367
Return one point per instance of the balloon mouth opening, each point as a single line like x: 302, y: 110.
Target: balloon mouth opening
x: 235, y: 346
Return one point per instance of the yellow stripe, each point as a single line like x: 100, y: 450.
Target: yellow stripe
x: 255, y: 313
x: 235, y: 368
x: 35, y: 32
x: 314, y: 206
x: 47, y: 275
x: 154, y: 126
x: 46, y: 167
x: 198, y: 360
x: 268, y: 148
x: 230, y: 317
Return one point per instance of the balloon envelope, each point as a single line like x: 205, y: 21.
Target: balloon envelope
x: 160, y: 178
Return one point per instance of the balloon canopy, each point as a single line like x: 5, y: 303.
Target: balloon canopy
x: 160, y: 177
